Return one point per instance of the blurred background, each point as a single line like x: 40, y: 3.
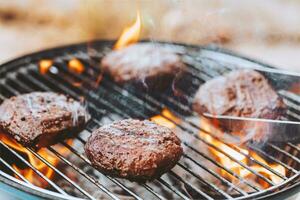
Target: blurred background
x: 264, y: 30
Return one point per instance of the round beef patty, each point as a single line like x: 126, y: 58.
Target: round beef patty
x: 241, y: 93
x: 40, y: 119
x: 133, y: 149
x: 146, y: 65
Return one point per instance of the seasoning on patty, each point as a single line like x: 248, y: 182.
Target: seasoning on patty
x: 40, y: 119
x: 147, y: 66
x: 133, y: 149
x: 241, y: 93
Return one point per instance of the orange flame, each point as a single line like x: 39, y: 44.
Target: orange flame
x: 130, y: 34
x: 27, y: 172
x: 161, y: 120
x: 44, y: 65
x: 233, y: 150
x: 234, y: 166
x: 74, y: 65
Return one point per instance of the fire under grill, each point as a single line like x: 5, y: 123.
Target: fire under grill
x: 62, y: 171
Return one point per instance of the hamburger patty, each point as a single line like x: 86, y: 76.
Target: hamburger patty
x: 241, y: 93
x: 133, y: 149
x: 40, y: 119
x: 147, y: 66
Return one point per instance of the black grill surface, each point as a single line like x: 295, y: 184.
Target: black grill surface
x: 196, y: 176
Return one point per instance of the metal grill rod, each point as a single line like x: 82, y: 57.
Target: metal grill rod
x: 257, y: 162
x: 34, y: 169
x: 211, y: 185
x: 92, y: 180
x: 208, y: 183
x: 196, y: 126
x: 241, y: 179
x: 82, y: 157
x: 191, y: 186
x: 251, y: 158
x: 86, y: 160
x: 284, y: 152
x: 153, y: 192
x: 223, y: 180
x: 247, y: 155
x: 193, y: 61
x: 214, y: 187
x: 294, y: 146
x: 113, y: 180
x: 217, y: 148
x: 61, y: 174
x: 268, y: 168
x: 274, y: 159
x: 63, y: 88
x: 14, y: 171
x: 90, y: 164
x: 231, y: 146
x: 210, y: 74
x: 117, y: 182
x: 163, y: 182
x: 222, y: 167
x: 112, y: 107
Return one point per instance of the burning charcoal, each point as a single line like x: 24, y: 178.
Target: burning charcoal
x: 145, y: 66
x: 41, y: 118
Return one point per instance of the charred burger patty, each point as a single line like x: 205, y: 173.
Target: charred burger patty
x: 147, y: 66
x: 41, y: 118
x: 241, y: 93
x: 133, y: 149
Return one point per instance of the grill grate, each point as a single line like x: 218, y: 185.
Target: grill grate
x: 112, y: 102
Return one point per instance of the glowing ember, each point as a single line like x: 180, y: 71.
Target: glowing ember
x: 162, y: 120
x: 44, y: 66
x: 234, y: 166
x: 27, y: 172
x: 130, y: 34
x: 76, y: 66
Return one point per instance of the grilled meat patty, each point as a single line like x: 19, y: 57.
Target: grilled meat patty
x: 241, y: 93
x: 145, y: 65
x: 133, y: 149
x: 40, y: 119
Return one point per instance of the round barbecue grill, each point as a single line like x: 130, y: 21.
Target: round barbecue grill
x: 74, y: 177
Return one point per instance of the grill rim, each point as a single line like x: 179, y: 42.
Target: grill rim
x: 32, y: 57
x: 31, y: 189
x: 210, y: 47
